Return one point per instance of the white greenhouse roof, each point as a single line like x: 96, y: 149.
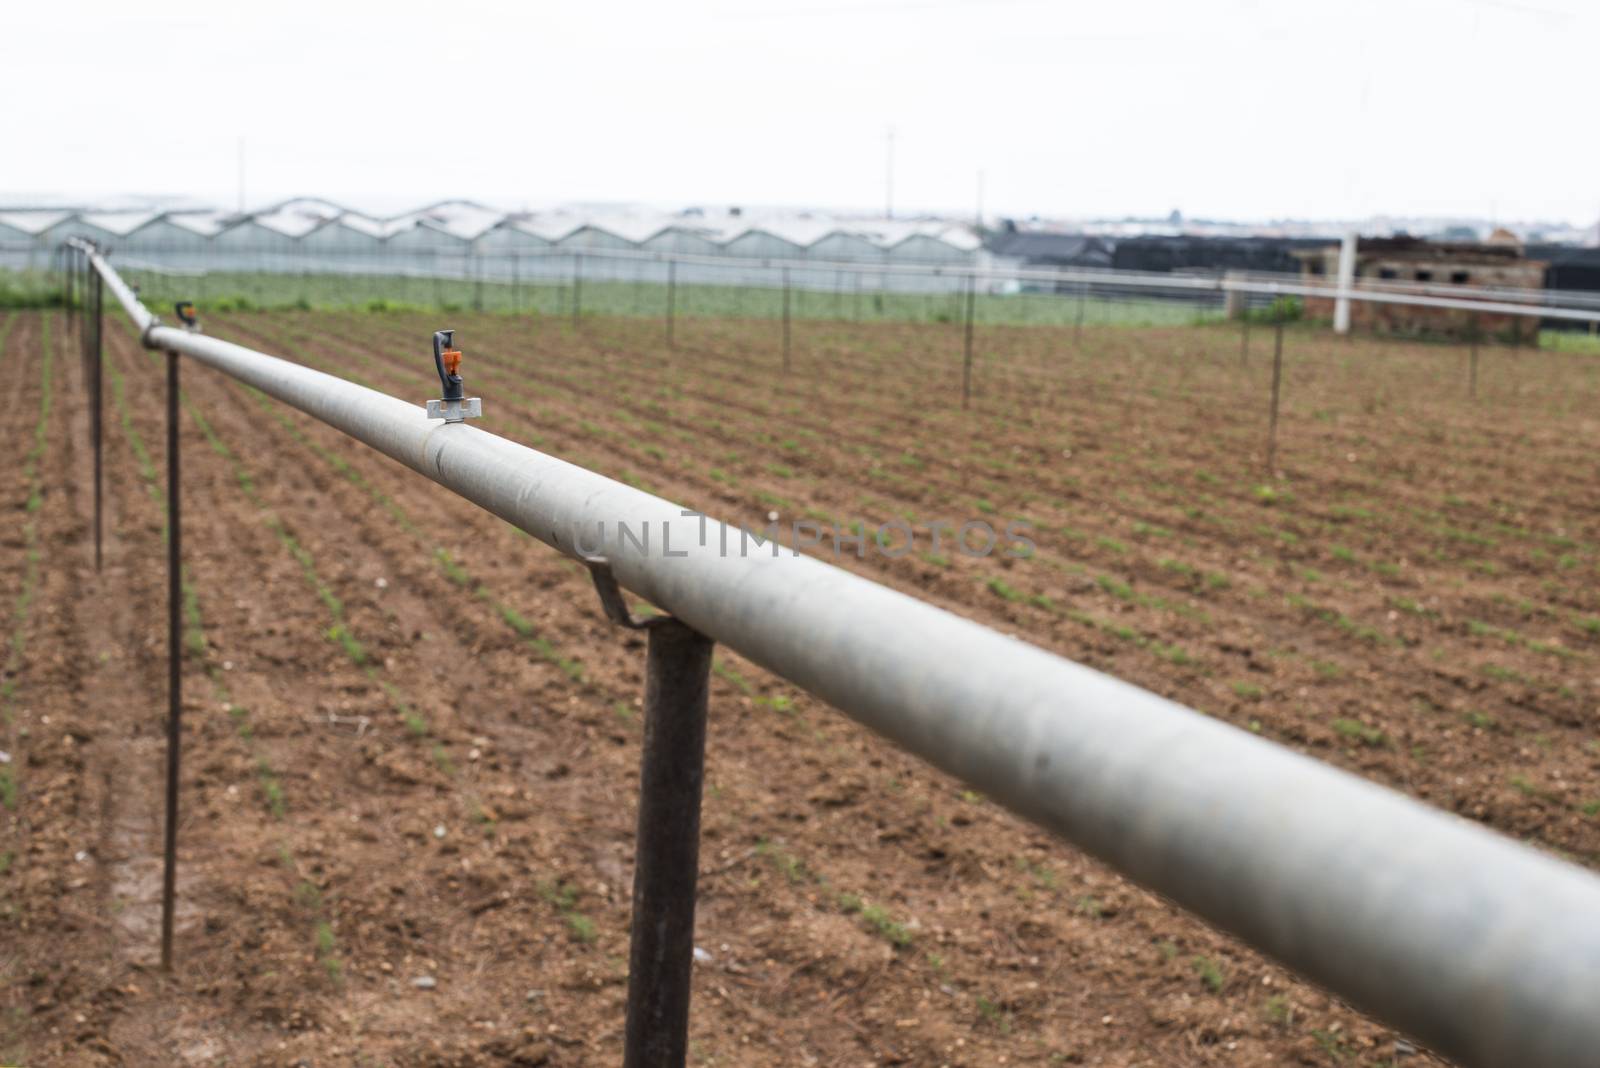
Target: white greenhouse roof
x: 33, y: 222
x: 467, y: 220
x: 121, y: 223
x: 204, y: 223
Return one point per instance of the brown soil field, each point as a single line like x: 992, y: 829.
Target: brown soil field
x: 412, y: 738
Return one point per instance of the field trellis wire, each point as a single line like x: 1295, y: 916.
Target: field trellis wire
x: 1019, y: 746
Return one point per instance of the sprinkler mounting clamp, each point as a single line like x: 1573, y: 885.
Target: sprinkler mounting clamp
x: 452, y: 406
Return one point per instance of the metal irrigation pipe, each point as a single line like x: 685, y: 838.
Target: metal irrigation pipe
x: 1483, y: 948
x: 1496, y: 301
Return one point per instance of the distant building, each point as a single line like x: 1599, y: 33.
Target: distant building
x: 1011, y: 249
x: 1436, y: 268
x: 1200, y: 254
x: 1035, y: 248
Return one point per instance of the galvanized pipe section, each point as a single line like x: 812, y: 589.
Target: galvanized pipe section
x: 1469, y: 298
x: 1486, y: 950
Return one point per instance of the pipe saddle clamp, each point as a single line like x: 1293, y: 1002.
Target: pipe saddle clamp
x: 452, y: 406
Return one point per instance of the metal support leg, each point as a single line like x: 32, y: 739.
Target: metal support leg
x: 667, y: 854
x: 174, y: 663
x: 966, y: 346
x: 1472, y: 372
x: 667, y: 846
x: 1244, y: 337
x: 577, y: 289
x: 1277, y: 378
x: 672, y: 299
x: 96, y: 372
x: 786, y: 320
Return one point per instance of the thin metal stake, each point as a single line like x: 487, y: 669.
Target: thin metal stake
x: 672, y: 299
x: 96, y: 371
x: 1277, y: 377
x: 68, y: 267
x: 1077, y: 327
x: 1244, y: 340
x: 667, y: 856
x: 577, y: 289
x: 786, y: 320
x: 169, y: 875
x: 966, y: 357
x: 1472, y: 374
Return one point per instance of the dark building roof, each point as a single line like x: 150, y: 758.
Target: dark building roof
x: 1066, y: 250
x: 1211, y: 253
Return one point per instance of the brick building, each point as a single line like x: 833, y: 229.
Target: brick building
x: 1431, y: 267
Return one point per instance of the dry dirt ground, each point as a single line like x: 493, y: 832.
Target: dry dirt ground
x: 412, y: 738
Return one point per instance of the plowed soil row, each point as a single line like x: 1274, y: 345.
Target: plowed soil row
x: 412, y: 737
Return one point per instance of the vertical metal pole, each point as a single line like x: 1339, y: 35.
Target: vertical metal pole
x: 667, y: 856
x: 577, y: 289
x: 1244, y: 337
x: 672, y: 299
x: 169, y: 876
x: 1077, y: 327
x: 1277, y: 378
x: 477, y: 280
x: 1472, y: 373
x: 78, y: 315
x: 966, y: 356
x: 516, y: 283
x: 96, y: 371
x: 786, y: 320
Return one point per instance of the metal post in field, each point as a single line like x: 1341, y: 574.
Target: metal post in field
x: 786, y: 320
x: 577, y: 289
x: 1077, y: 326
x: 667, y: 854
x: 1277, y: 378
x: 169, y: 874
x: 477, y: 281
x: 666, y: 862
x: 672, y: 300
x: 516, y: 284
x: 68, y: 267
x: 75, y: 315
x: 96, y: 370
x: 966, y: 345
x: 1472, y: 367
x: 1244, y: 338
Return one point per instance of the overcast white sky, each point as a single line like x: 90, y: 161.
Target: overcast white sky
x: 1248, y: 109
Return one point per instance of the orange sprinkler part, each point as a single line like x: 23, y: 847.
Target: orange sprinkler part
x: 452, y: 361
